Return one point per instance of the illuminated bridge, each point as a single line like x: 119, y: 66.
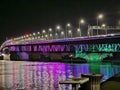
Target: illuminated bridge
x: 90, y: 48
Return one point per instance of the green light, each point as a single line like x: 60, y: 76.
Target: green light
x: 92, y: 57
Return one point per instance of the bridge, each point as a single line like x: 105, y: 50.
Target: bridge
x: 90, y: 48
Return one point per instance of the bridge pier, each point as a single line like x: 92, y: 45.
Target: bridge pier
x: 23, y: 55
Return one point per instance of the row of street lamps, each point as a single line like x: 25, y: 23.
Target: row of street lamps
x: 68, y: 32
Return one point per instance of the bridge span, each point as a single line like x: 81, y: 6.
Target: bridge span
x: 88, y: 48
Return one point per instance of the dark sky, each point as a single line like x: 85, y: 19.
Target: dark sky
x: 18, y: 17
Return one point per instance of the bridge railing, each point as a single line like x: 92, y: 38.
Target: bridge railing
x: 27, y: 40
x: 105, y: 28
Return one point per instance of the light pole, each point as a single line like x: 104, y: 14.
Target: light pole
x: 79, y: 31
x: 46, y: 36
x: 100, y: 16
x: 43, y: 32
x: 82, y: 21
x: 49, y: 32
x: 34, y: 35
x: 104, y: 27
x: 38, y: 35
x: 57, y: 29
x: 66, y: 30
x: 51, y: 36
x: 70, y: 32
x: 63, y: 34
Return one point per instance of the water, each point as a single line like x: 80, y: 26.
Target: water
x: 22, y: 75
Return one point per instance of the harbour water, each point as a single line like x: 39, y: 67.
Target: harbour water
x: 24, y: 75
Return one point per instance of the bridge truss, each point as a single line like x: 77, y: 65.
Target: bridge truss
x: 106, y: 28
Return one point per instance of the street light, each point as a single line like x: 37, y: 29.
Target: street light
x: 79, y: 31
x: 49, y: 32
x: 43, y: 32
x: 82, y: 21
x: 34, y: 34
x: 56, y: 35
x: 104, y: 27
x: 51, y: 36
x: 63, y: 34
x: 100, y: 16
x: 50, y: 29
x: 70, y: 32
x: 38, y: 32
x: 67, y: 25
x: 46, y: 36
x: 57, y: 29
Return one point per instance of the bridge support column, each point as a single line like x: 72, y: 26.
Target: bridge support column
x: 23, y: 55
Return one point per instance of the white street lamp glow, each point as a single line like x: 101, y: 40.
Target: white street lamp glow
x: 78, y: 30
x: 103, y: 25
x: 35, y: 37
x: 70, y: 31
x: 62, y: 33
x: 50, y: 29
x: 43, y: 31
x: 46, y: 35
x: 50, y: 35
x: 58, y: 27
x: 82, y: 21
x: 34, y: 34
x: 38, y: 36
x: 38, y: 32
x: 68, y: 25
x: 100, y: 16
x: 66, y: 29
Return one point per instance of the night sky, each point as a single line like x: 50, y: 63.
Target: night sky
x: 19, y: 17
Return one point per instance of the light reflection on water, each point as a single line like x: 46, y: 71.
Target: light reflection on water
x: 20, y: 75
